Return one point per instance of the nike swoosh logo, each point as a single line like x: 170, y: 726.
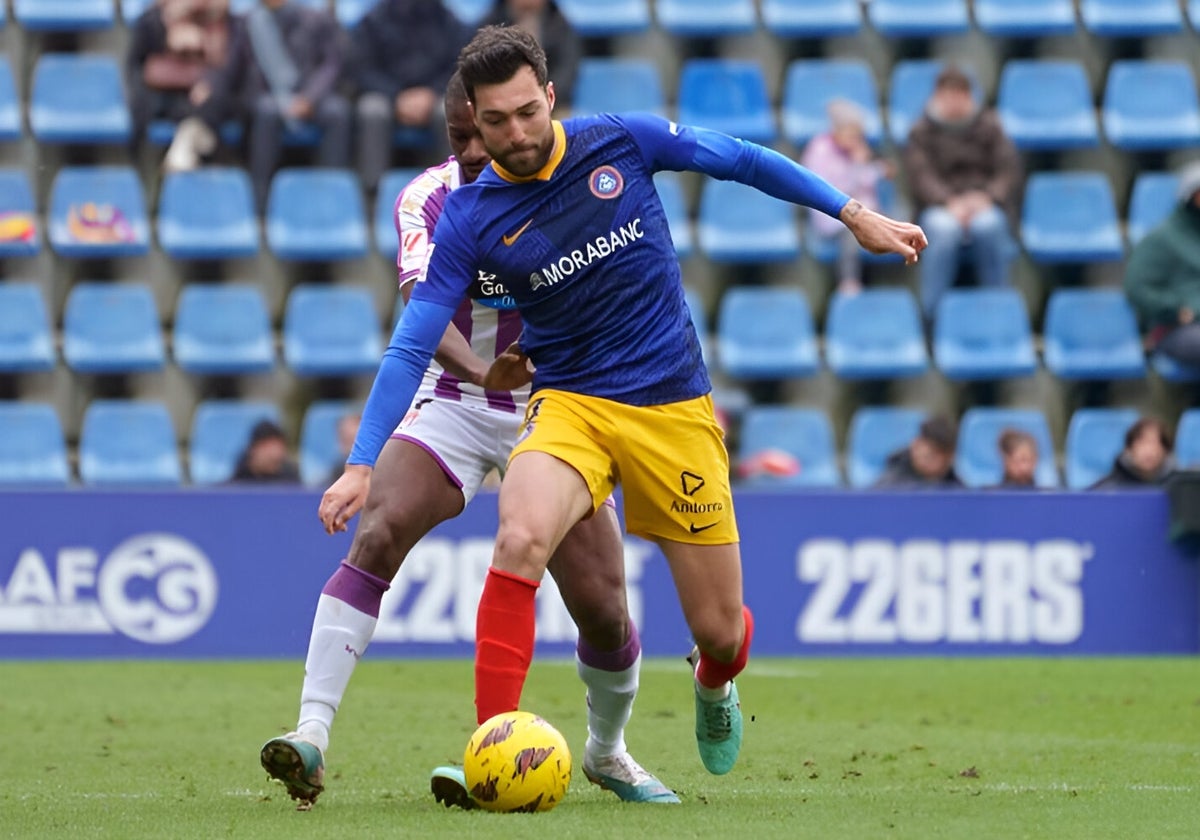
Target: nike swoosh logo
x: 697, y: 529
x: 509, y: 240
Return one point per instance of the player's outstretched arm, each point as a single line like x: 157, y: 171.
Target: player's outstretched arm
x: 880, y: 234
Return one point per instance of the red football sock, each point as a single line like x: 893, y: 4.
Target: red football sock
x: 504, y: 627
x: 714, y: 674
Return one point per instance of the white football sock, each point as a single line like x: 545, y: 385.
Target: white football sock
x: 340, y: 636
x: 610, y: 699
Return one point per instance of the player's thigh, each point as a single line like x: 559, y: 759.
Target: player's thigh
x: 589, y: 568
x: 708, y: 579
x: 541, y: 497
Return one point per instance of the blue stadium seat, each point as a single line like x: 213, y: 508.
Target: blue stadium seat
x: 26, y: 343
x: 391, y: 185
x: 604, y: 18
x: 128, y: 442
x: 911, y: 84
x: 220, y: 433
x: 1171, y: 370
x: 470, y: 12
x: 112, y: 328
x: 350, y: 12
x: 316, y: 214
x: 131, y: 10
x: 32, y: 447
x: 1153, y: 197
x: 739, y: 224
x: 766, y: 333
x: 18, y: 215
x: 319, y: 454
x: 98, y: 212
x: 1187, y: 439
x: 63, y: 15
x: 615, y: 85
x: 978, y: 461
x: 78, y: 99
x: 670, y: 193
x: 162, y: 132
x: 223, y: 330
x: 1193, y: 13
x: 875, y: 334
x: 10, y: 104
x: 809, y: 86
x: 1070, y: 217
x: 1131, y: 18
x: 1047, y: 104
x: 918, y: 18
x: 706, y: 18
x: 1025, y: 18
x: 1151, y: 105
x: 331, y: 331
x: 1092, y: 334
x: 726, y: 95
x: 208, y: 214
x: 983, y: 334
x: 803, y: 433
x: 1095, y: 436
x: 811, y: 18
x: 875, y: 433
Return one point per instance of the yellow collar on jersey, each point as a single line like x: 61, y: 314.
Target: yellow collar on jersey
x: 543, y: 174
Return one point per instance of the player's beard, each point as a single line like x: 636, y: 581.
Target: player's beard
x: 526, y: 161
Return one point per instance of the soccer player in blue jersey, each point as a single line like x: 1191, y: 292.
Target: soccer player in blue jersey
x: 429, y: 470
x: 567, y: 219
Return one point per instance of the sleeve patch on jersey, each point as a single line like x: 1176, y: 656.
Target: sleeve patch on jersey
x: 415, y: 242
x: 606, y: 182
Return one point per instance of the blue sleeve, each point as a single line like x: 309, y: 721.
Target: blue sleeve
x: 413, y: 343
x: 667, y: 145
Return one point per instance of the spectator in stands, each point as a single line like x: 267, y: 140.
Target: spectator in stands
x: 965, y: 175
x: 266, y: 458
x: 843, y: 157
x: 1162, y: 277
x: 172, y: 45
x: 347, y: 428
x: 402, y: 53
x: 1145, y: 461
x: 563, y: 46
x: 282, y: 71
x: 1019, y: 454
x: 927, y: 462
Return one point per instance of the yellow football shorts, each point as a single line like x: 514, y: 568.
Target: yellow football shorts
x: 670, y: 461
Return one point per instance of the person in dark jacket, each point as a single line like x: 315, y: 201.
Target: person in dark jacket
x: 402, y: 54
x: 1162, y: 277
x: 282, y: 71
x: 266, y: 458
x: 927, y: 462
x: 1145, y: 461
x: 562, y: 45
x: 965, y: 175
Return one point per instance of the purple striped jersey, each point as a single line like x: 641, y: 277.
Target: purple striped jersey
x: 486, y: 317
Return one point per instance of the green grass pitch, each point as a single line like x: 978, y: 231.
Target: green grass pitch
x: 904, y: 748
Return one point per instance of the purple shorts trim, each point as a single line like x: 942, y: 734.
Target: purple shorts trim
x: 360, y: 589
x: 445, y: 468
x: 614, y: 660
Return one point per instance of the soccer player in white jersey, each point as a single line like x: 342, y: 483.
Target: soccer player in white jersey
x: 454, y: 433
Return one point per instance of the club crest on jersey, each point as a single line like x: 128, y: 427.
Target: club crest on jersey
x: 606, y: 182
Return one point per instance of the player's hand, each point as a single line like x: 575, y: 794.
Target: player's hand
x: 880, y: 234
x: 511, y: 370
x: 344, y: 498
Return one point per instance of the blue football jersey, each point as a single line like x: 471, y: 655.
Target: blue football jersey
x: 584, y: 250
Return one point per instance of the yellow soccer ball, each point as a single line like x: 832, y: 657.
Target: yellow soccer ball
x: 516, y: 761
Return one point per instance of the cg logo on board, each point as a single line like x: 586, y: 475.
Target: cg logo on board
x: 156, y: 588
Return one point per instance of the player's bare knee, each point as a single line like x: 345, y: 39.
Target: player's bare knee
x: 375, y: 548
x: 521, y: 550
x: 607, y: 630
x: 719, y: 639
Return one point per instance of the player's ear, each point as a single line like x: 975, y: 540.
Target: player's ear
x: 550, y: 94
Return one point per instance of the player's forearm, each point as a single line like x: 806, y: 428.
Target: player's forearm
x: 404, y: 362
x: 454, y: 353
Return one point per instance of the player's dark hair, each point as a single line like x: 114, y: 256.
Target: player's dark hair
x: 456, y: 92
x: 495, y: 55
x: 1149, y: 424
